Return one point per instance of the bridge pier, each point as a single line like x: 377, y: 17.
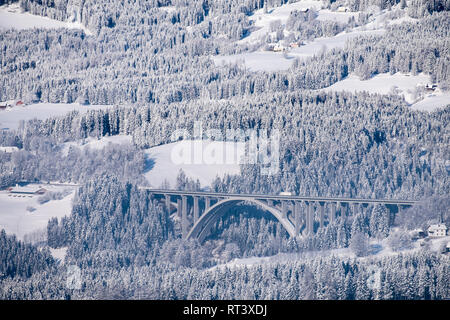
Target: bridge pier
x: 196, y: 209
x: 332, y: 214
x: 207, y: 203
x: 283, y: 209
x: 322, y: 214
x: 184, y: 224
x: 310, y: 219
x: 179, y: 207
x: 297, y: 220
x: 167, y: 198
x: 355, y: 208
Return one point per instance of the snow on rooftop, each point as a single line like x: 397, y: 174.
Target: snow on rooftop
x: 16, y: 218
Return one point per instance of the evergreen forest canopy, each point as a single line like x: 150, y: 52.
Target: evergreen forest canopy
x: 152, y: 62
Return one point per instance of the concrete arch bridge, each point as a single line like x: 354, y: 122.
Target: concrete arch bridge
x: 300, y: 216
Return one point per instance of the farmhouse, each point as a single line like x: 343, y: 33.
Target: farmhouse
x: 343, y: 9
x: 8, y: 149
x: 279, y: 48
x: 437, y: 230
x: 27, y: 190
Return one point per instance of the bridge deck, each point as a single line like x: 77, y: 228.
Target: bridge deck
x: 280, y: 197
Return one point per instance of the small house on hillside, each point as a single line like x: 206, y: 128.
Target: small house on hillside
x: 343, y: 9
x: 437, y: 230
x: 279, y: 48
x: 20, y: 103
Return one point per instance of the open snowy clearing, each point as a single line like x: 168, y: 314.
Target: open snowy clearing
x: 59, y: 253
x: 96, y: 144
x: 11, y: 118
x: 12, y: 17
x: 432, y: 102
x: 263, y: 20
x: 379, y: 249
x: 327, y: 15
x: 202, y: 160
x: 16, y: 219
x: 328, y: 43
x: 274, y: 61
x: 401, y: 84
x: 277, y: 61
x: 258, y: 61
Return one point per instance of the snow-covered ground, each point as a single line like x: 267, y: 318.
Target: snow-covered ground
x: 263, y: 20
x: 277, y: 61
x: 96, y: 144
x: 10, y: 118
x: 258, y: 61
x: 344, y: 17
x: 202, y: 160
x: 380, y: 249
x: 16, y: 219
x: 432, y: 102
x: 11, y: 16
x: 384, y: 83
x: 272, y: 61
x: 328, y: 43
x: 59, y: 254
x: 401, y: 84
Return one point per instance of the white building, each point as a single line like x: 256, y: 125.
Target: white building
x: 437, y: 230
x: 9, y: 149
x: 343, y: 9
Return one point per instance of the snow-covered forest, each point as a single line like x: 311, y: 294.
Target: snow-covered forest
x: 153, y: 67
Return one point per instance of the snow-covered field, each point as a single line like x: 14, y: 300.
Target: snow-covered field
x: 273, y: 61
x: 16, y: 219
x: 59, y: 253
x: 96, y: 144
x: 380, y: 249
x: 10, y: 118
x: 12, y: 17
x: 258, y: 61
x: 401, y: 84
x: 277, y: 61
x: 383, y: 83
x: 344, y: 17
x: 432, y: 102
x: 328, y: 43
x: 263, y: 20
x: 202, y: 160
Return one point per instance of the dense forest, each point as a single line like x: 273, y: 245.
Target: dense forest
x: 152, y: 62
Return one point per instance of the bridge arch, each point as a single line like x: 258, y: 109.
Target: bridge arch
x: 204, y: 224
